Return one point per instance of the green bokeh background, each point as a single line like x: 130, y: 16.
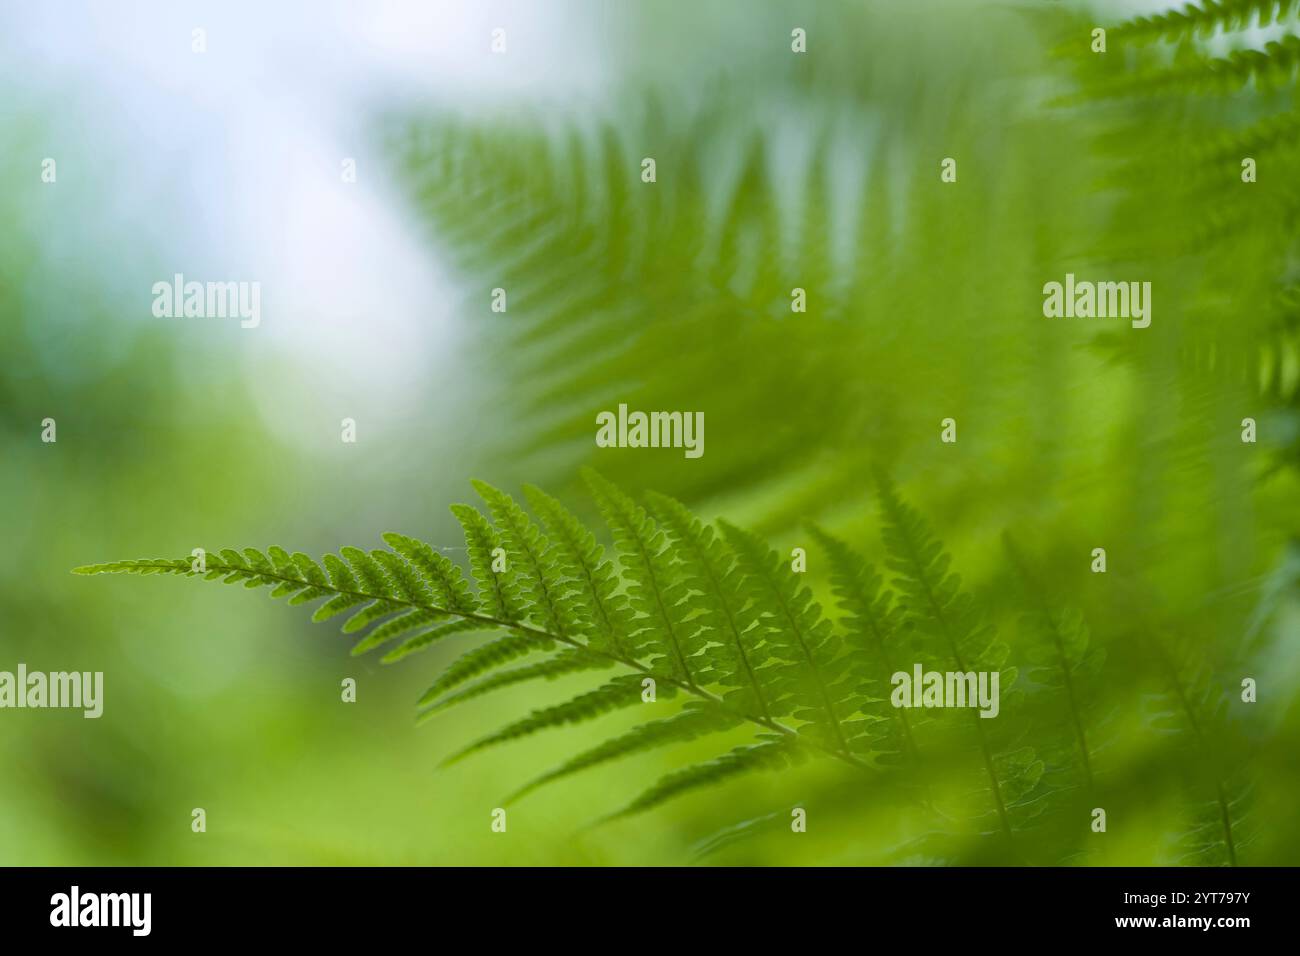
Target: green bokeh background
x: 926, y: 304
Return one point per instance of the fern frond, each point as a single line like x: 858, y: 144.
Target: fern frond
x: 543, y: 587
x: 622, y: 691
x: 739, y: 832
x: 482, y: 659
x: 1203, y: 19
x: 582, y: 559
x: 371, y: 613
x: 405, y: 581
x: 726, y: 616
x: 655, y: 588
x: 394, y: 628
x: 369, y: 573
x: 1272, y: 132
x: 1270, y: 68
x: 1196, y: 713
x: 731, y: 631
x: 311, y: 572
x: 939, y: 610
x: 1068, y: 659
x: 771, y: 754
x: 871, y: 622
x: 688, y: 724
x: 819, y: 683
x: 563, y: 663
x: 497, y: 590
x: 421, y: 641
x: 441, y: 575
x: 931, y: 595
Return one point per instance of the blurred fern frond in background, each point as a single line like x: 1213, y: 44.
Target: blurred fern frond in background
x: 1192, y: 97
x: 820, y: 176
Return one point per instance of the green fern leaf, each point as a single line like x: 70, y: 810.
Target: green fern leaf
x: 497, y: 590
x: 1065, y: 655
x: 581, y: 559
x: 422, y: 640
x: 871, y: 622
x: 443, y: 578
x: 726, y: 629
x: 622, y: 691
x: 369, y: 614
x: 736, y: 833
x: 1271, y: 68
x: 945, y: 617
x: 369, y: 573
x: 727, y: 617
x: 655, y: 588
x: 480, y: 660
x: 770, y: 754
x: 391, y: 630
x: 543, y: 588
x: 688, y: 724
x: 1196, y: 713
x: 1203, y: 19
x: 818, y: 681
x: 562, y: 664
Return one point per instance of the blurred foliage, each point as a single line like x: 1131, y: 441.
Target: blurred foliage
x: 774, y: 170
